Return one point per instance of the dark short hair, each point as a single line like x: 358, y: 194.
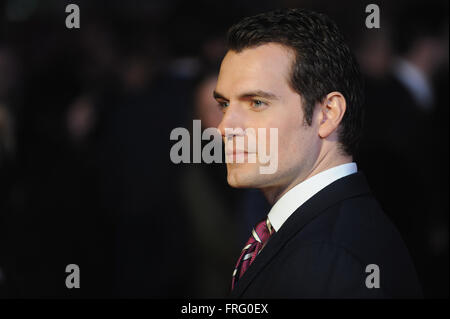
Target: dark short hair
x: 323, y: 62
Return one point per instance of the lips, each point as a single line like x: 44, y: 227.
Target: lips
x: 237, y: 153
x: 240, y: 156
x: 231, y: 150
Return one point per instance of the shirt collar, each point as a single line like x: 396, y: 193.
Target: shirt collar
x: 416, y: 83
x: 299, y: 194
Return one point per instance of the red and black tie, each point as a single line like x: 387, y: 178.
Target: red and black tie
x: 260, y: 235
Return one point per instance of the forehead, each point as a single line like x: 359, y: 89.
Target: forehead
x: 265, y: 67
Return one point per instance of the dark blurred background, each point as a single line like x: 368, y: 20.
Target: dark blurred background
x: 85, y: 119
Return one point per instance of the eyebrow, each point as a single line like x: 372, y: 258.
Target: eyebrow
x: 217, y: 95
x: 256, y: 93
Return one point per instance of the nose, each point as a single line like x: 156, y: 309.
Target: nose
x: 232, y: 119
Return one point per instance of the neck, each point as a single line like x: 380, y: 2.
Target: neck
x: 327, y: 161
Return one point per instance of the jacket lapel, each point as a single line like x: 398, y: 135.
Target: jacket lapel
x: 350, y: 186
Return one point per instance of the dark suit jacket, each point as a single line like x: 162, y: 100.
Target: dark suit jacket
x: 324, y: 247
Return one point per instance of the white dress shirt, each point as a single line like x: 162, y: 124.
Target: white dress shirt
x: 299, y: 194
x: 416, y: 83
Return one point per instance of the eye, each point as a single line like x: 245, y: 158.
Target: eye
x: 223, y: 104
x: 258, y: 103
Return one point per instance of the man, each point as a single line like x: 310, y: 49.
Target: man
x: 415, y: 149
x: 325, y: 235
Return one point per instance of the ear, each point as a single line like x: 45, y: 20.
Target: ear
x: 332, y: 111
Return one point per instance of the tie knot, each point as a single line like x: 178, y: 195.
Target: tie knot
x: 260, y: 234
x: 262, y: 231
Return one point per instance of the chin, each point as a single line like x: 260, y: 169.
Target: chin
x: 244, y: 176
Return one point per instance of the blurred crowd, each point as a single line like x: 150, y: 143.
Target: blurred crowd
x: 85, y: 120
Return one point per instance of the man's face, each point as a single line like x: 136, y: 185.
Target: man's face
x: 253, y: 89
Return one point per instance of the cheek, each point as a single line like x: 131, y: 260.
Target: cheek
x: 289, y: 130
x: 289, y: 127
x: 294, y: 139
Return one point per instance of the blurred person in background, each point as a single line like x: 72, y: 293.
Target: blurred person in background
x: 9, y: 84
x: 220, y: 216
x: 406, y: 72
x: 209, y: 203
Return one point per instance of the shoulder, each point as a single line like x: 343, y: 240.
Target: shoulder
x: 321, y: 269
x: 353, y: 223
x: 336, y: 226
x: 335, y: 249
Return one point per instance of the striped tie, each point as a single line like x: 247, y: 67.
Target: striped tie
x: 259, y: 237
